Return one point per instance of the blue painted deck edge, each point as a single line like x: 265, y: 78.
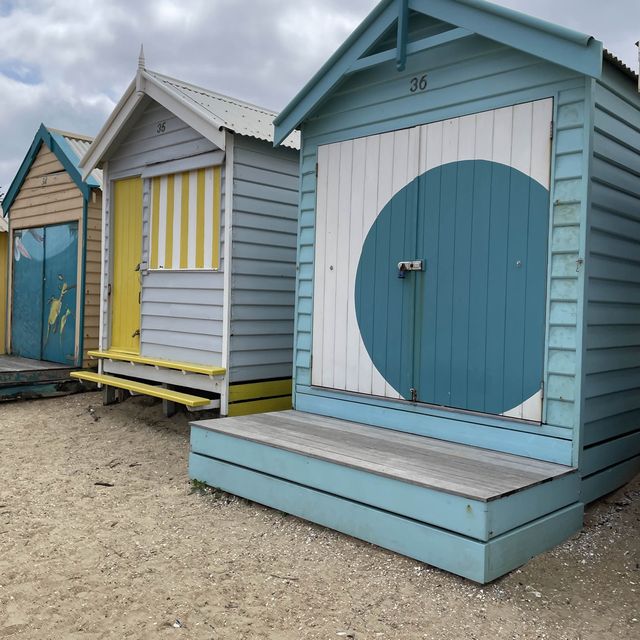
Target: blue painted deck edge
x: 473, y: 518
x: 478, y: 561
x: 479, y: 435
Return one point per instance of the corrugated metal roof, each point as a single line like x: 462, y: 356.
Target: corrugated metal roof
x: 613, y: 59
x: 229, y: 113
x: 78, y: 143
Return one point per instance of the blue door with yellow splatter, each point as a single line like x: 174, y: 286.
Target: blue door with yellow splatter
x: 44, y: 293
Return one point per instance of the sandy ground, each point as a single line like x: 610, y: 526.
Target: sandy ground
x: 150, y: 557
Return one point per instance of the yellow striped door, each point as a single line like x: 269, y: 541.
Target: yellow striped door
x: 126, y: 251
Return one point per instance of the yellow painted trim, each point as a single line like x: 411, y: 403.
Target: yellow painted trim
x: 253, y: 390
x: 200, y: 220
x: 155, y: 221
x: 260, y: 406
x: 145, y: 389
x: 184, y: 223
x: 155, y: 362
x: 217, y: 189
x: 168, y: 257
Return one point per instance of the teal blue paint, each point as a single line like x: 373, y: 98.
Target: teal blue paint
x: 610, y: 444
x: 403, y: 29
x: 432, y: 545
x: 44, y: 258
x: 473, y: 518
x: 27, y: 293
x: 59, y: 147
x: 608, y: 480
x: 83, y: 281
x: 381, y: 414
x: 418, y: 329
x: 474, y: 420
x: 478, y: 561
x: 562, y: 47
x: 517, y: 547
x: 60, y: 292
x: 455, y: 513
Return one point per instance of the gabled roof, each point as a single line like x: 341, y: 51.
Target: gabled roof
x: 68, y: 149
x: 207, y: 112
x: 564, y: 47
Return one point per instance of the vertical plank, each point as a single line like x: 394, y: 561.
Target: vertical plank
x: 319, y: 265
x: 340, y: 308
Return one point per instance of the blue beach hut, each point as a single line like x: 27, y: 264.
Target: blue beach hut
x: 467, y: 369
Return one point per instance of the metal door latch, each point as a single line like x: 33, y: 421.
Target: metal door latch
x: 136, y: 333
x: 409, y: 265
x: 414, y: 394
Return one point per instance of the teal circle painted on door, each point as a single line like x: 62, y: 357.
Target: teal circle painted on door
x: 467, y: 331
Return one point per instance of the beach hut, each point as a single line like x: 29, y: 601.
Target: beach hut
x: 4, y: 257
x: 467, y: 367
x: 54, y: 220
x: 199, y: 236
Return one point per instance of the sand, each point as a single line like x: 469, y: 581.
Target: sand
x: 103, y: 536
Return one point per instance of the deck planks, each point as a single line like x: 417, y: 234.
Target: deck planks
x: 15, y: 363
x: 458, y: 469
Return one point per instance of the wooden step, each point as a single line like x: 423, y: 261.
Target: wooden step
x: 204, y: 369
x: 476, y: 512
x: 178, y: 397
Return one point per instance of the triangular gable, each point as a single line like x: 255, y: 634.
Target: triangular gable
x: 65, y: 155
x: 205, y: 111
x: 564, y: 47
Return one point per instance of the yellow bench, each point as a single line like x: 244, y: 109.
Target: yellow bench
x: 204, y: 369
x: 140, y: 387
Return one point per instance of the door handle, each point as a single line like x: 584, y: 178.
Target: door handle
x: 136, y: 333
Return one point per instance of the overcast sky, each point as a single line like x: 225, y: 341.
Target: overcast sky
x: 67, y: 62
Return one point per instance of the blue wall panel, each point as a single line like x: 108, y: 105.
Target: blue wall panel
x: 611, y: 432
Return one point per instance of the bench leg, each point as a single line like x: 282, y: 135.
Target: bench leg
x: 109, y: 395
x: 168, y: 408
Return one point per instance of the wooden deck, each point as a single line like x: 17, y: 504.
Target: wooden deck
x: 472, y: 511
x: 458, y: 469
x: 24, y: 377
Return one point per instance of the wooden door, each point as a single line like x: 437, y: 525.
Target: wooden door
x: 466, y: 200
x: 126, y: 247
x: 27, y: 292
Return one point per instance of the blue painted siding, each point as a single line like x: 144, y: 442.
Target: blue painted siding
x: 468, y: 77
x: 611, y: 431
x: 265, y: 199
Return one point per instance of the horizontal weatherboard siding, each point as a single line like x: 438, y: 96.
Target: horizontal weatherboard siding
x: 182, y: 316
x: 265, y: 207
x: 611, y: 433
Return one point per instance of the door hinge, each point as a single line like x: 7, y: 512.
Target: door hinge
x: 551, y: 131
x: 316, y: 169
x: 109, y: 289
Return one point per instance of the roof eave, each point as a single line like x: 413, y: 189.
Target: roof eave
x: 44, y: 136
x: 564, y: 47
x: 107, y: 134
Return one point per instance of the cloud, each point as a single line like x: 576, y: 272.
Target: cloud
x: 66, y: 63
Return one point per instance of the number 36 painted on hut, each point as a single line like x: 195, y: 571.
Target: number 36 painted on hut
x: 465, y: 327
